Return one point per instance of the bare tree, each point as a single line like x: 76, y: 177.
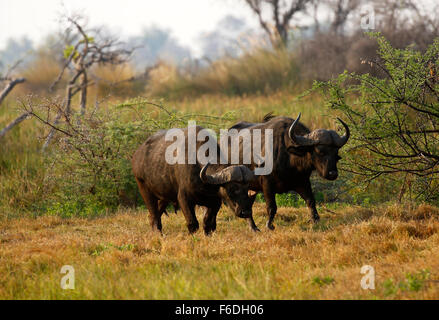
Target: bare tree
x: 283, y: 12
x: 9, y: 87
x: 11, y: 82
x: 87, y: 49
x: 11, y: 125
x: 341, y: 9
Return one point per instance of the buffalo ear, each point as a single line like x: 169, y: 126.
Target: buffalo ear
x: 252, y: 193
x: 298, y: 151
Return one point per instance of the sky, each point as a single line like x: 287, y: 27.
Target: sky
x: 185, y: 18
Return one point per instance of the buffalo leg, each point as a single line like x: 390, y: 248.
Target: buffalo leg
x: 189, y: 213
x: 151, y: 202
x: 162, y: 207
x: 270, y: 200
x: 210, y: 219
x: 250, y: 220
x: 252, y: 224
x: 306, y: 193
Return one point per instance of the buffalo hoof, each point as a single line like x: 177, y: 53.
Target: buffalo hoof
x: 252, y: 225
x: 255, y: 229
x: 158, y: 232
x: 270, y: 226
x: 156, y: 229
x: 208, y: 231
x: 193, y: 227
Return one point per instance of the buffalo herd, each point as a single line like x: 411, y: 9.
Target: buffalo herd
x: 296, y: 153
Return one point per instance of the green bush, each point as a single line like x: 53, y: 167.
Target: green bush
x: 76, y: 208
x: 394, y: 121
x: 88, y: 168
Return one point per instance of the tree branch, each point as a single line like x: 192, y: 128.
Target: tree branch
x: 17, y: 121
x: 9, y: 87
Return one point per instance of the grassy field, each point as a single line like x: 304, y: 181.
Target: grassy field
x: 118, y: 257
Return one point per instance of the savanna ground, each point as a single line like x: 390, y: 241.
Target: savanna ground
x: 118, y: 257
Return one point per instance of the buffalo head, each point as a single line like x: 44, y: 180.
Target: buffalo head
x: 323, y: 145
x: 234, y: 182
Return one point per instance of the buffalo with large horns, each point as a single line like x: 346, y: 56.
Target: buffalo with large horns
x: 297, y: 152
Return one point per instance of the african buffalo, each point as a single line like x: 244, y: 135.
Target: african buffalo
x: 187, y: 185
x: 297, y: 152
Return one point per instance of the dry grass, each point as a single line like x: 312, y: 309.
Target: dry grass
x: 259, y: 70
x: 117, y: 257
x: 254, y: 107
x: 112, y: 82
x: 40, y: 75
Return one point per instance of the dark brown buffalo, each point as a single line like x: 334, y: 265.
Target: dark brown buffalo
x: 297, y: 152
x: 188, y: 185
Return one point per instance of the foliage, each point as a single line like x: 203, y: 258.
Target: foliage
x: 322, y: 281
x: 394, y: 119
x: 70, y: 50
x: 89, y: 168
x: 412, y: 282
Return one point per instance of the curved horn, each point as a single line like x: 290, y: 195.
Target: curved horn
x: 203, y: 175
x: 229, y: 174
x: 299, y: 140
x: 341, y: 141
x: 221, y: 177
x: 293, y: 126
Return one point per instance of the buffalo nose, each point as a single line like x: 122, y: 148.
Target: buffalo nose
x: 333, y: 174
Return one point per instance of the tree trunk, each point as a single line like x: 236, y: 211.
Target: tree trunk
x: 69, y: 97
x: 282, y: 42
x: 84, y: 84
x: 13, y: 124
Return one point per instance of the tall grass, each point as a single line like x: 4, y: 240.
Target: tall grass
x: 117, y: 81
x: 39, y: 74
x: 257, y: 71
x: 21, y: 166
